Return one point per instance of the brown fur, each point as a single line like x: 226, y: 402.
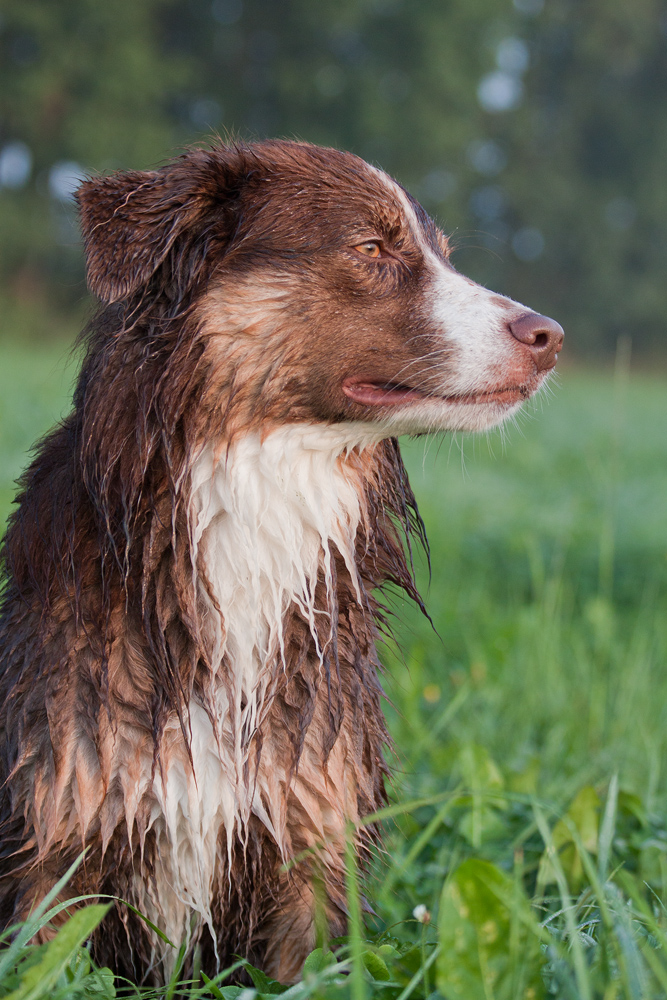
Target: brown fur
x: 233, y: 301
x: 101, y: 636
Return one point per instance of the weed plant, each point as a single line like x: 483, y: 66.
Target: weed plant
x: 525, y: 841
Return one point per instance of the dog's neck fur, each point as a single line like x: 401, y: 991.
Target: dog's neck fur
x: 265, y: 515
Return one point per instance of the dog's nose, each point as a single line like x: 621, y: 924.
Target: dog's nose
x: 542, y: 335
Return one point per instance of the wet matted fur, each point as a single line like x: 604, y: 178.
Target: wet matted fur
x: 189, y: 681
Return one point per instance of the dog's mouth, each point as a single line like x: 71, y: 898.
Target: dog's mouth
x: 370, y: 393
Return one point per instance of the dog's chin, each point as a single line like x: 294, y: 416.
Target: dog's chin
x: 433, y: 415
x: 406, y: 410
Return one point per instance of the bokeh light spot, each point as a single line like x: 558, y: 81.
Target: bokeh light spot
x: 499, y: 91
x: 15, y: 165
x: 528, y: 244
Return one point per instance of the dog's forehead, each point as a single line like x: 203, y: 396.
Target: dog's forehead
x: 304, y: 178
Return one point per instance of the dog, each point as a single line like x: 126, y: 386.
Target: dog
x: 189, y: 678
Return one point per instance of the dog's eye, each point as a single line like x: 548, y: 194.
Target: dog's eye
x: 369, y: 249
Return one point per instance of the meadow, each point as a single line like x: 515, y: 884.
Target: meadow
x: 525, y: 850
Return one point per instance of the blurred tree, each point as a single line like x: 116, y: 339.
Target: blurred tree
x: 586, y: 165
x: 533, y: 130
x: 83, y: 86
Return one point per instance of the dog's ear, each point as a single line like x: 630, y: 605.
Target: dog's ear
x: 131, y: 220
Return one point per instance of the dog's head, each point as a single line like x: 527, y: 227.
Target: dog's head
x: 322, y: 289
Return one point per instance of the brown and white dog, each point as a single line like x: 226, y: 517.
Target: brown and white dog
x: 189, y: 682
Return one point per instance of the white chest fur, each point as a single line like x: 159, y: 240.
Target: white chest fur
x: 264, y: 515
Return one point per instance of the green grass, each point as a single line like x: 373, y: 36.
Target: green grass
x: 528, y: 809
x: 548, y: 592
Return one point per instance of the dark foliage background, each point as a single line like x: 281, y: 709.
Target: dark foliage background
x: 536, y: 130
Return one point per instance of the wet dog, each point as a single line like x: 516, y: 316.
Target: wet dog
x: 189, y: 681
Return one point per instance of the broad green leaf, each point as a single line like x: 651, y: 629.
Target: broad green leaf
x: 318, y: 960
x: 100, y: 983
x: 386, y: 951
x: 488, y: 950
x: 583, y: 815
x: 376, y: 966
